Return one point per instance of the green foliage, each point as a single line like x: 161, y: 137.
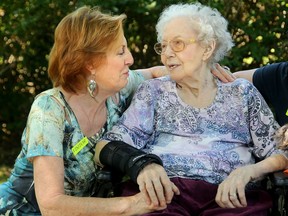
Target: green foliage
x: 259, y: 29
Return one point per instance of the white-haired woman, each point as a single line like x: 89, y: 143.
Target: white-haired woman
x: 208, y: 134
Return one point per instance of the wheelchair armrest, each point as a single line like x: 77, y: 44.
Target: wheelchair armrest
x: 279, y: 179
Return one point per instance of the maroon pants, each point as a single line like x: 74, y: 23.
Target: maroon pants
x: 198, y: 199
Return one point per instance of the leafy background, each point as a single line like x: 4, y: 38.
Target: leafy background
x: 259, y: 29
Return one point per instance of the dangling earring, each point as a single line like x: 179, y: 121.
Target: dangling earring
x: 91, y: 87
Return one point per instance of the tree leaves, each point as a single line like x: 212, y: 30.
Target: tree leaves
x: 259, y: 29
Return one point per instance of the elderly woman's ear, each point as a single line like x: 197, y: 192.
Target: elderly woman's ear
x: 209, y: 50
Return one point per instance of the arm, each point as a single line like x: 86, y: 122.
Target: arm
x: 46, y: 123
x: 153, y: 72
x: 282, y: 137
x: 262, y: 128
x: 226, y: 76
x: 152, y: 179
x: 49, y: 189
x: 134, y: 127
x: 246, y: 74
x: 235, y: 183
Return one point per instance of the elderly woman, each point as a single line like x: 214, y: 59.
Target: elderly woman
x: 208, y: 134
x: 55, y: 173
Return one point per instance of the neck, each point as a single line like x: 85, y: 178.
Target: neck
x: 197, y: 84
x: 91, y: 114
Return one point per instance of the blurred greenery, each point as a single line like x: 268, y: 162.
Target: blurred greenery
x: 4, y: 173
x: 259, y: 29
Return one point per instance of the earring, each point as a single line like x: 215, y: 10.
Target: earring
x: 91, y: 87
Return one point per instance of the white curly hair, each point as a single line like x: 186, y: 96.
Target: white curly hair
x: 211, y: 26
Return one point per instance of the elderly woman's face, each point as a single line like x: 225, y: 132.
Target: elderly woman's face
x: 181, y: 63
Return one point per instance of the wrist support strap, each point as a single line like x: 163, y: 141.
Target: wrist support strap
x: 125, y: 158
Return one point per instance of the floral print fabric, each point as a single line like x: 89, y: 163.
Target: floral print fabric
x: 199, y: 143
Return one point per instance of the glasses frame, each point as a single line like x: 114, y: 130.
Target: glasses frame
x: 159, y: 50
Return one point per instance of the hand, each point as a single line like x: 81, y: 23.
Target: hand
x: 282, y: 137
x: 138, y: 205
x: 223, y: 73
x: 231, y: 192
x: 156, y: 185
x: 159, y: 71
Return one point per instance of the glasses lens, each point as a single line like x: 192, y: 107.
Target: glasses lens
x: 177, y: 45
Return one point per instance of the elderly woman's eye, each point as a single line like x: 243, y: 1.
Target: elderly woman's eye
x: 177, y: 43
x: 163, y: 46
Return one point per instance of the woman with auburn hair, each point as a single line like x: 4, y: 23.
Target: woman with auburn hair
x: 55, y: 173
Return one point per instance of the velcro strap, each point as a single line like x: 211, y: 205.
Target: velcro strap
x: 126, y: 158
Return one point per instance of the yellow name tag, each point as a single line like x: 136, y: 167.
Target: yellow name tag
x: 287, y: 112
x: 80, y: 145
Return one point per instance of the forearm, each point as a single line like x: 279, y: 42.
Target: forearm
x: 153, y: 72
x: 68, y: 205
x: 246, y: 74
x: 51, y: 198
x: 271, y: 164
x: 100, y: 145
x: 124, y: 158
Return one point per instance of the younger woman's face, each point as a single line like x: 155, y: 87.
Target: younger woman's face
x: 113, y: 74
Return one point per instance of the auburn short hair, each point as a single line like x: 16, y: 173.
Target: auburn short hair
x: 83, y: 35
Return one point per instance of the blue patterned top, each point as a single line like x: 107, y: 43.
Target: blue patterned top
x: 199, y: 143
x: 52, y: 130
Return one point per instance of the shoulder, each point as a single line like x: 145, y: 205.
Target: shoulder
x: 154, y: 86
x: 267, y: 72
x: 48, y: 101
x: 158, y: 85
x: 239, y: 88
x: 239, y: 83
x: 158, y: 82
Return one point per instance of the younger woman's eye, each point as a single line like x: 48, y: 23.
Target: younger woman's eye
x: 122, y: 51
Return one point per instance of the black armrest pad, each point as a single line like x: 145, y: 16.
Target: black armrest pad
x: 279, y: 178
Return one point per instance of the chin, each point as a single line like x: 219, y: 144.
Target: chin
x: 123, y: 83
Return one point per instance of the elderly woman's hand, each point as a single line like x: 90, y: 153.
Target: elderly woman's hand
x: 156, y: 185
x: 231, y: 192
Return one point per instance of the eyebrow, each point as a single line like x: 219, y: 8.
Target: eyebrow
x: 178, y: 36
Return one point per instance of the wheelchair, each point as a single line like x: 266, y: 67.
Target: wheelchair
x: 278, y: 188
x: 108, y: 185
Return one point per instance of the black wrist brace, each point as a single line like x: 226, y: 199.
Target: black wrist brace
x: 125, y: 158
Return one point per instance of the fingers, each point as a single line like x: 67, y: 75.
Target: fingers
x: 159, y: 191
x: 143, y: 190
x: 225, y: 67
x: 170, y: 189
x: 231, y: 196
x: 155, y: 184
x: 153, y: 192
x: 242, y: 198
x: 234, y: 200
x: 175, y: 189
x: 222, y: 198
x: 223, y: 73
x: 140, y: 207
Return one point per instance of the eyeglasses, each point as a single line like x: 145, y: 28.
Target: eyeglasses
x: 176, y: 45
